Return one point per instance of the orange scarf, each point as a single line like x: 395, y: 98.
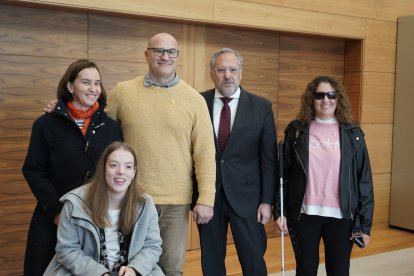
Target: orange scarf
x: 82, y: 114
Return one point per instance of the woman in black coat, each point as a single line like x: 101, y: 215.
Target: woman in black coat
x: 64, y: 148
x: 328, y: 184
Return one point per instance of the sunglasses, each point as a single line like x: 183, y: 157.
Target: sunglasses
x: 321, y: 95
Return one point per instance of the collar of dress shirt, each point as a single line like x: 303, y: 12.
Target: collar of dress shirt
x: 148, y: 81
x: 235, y: 95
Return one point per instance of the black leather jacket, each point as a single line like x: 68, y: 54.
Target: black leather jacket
x: 356, y: 188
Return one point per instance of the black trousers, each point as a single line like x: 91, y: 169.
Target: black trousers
x: 305, y: 236
x: 41, y: 243
x: 249, y: 238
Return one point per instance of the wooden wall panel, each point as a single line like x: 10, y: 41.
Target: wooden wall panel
x: 178, y: 9
x: 379, y: 141
x: 241, y: 13
x: 380, y: 46
x: 26, y: 31
x: 381, y: 10
x: 27, y: 83
x: 203, y: 10
x: 353, y: 74
x: 353, y: 84
x: 382, y: 199
x: 125, y: 39
x: 378, y: 100
x: 353, y: 55
x: 301, y: 60
x: 260, y: 51
x: 36, y: 45
x: 117, y: 45
x: 113, y: 72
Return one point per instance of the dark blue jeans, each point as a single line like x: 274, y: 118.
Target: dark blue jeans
x: 41, y: 242
x: 306, y: 235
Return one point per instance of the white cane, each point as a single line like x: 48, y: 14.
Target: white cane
x: 282, y: 240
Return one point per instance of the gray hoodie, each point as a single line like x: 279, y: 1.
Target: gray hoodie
x: 77, y: 249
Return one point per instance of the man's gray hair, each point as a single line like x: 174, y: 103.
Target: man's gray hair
x: 224, y: 51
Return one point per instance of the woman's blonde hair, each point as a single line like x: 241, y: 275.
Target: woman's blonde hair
x: 96, y: 199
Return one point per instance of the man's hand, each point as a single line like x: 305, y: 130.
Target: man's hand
x: 279, y: 227
x: 50, y: 106
x: 202, y: 214
x: 264, y: 212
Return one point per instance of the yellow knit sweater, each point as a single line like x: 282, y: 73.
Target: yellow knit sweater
x: 171, y: 132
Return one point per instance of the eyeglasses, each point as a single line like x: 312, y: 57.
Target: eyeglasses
x: 159, y: 52
x: 321, y: 95
x: 222, y: 70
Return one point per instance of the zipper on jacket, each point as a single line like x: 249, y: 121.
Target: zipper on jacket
x: 350, y: 193
x: 301, y: 164
x: 98, y: 126
x: 135, y: 224
x: 86, y: 146
x: 95, y: 236
x: 306, y: 175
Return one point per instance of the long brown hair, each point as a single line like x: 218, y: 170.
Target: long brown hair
x: 71, y: 74
x: 96, y: 199
x: 343, y: 107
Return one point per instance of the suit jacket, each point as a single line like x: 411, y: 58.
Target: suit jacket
x: 246, y: 169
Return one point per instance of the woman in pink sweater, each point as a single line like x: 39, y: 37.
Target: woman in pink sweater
x: 328, y: 181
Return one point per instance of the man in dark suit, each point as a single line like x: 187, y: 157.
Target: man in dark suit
x: 245, y: 139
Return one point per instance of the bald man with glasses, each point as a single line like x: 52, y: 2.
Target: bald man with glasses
x: 167, y: 123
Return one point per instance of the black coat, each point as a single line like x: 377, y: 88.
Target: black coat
x: 60, y: 158
x: 355, y: 180
x: 246, y: 170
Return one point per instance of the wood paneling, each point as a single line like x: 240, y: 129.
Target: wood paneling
x: 381, y: 10
x: 380, y: 46
x: 287, y: 19
x: 378, y: 100
x: 37, y: 44
x: 203, y: 10
x: 260, y: 51
x: 113, y: 72
x: 125, y: 39
x: 379, y: 141
x: 352, y: 82
x: 382, y: 200
x: 267, y: 2
x: 353, y: 55
x: 178, y: 9
x: 27, y: 83
x: 301, y: 60
x: 353, y: 75
x: 34, y: 32
x: 117, y: 45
